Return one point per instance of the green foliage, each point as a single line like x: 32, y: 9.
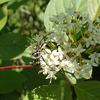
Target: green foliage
x: 10, y: 80
x: 13, y: 47
x: 3, y: 16
x: 14, y: 4
x: 33, y: 79
x: 50, y: 92
x: 93, y: 9
x: 3, y: 1
x: 43, y: 93
x: 88, y: 90
x: 10, y: 96
x: 20, y: 19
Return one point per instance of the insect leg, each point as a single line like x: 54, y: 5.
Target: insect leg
x: 45, y: 61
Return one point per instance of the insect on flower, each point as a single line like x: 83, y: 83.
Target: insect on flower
x: 38, y: 50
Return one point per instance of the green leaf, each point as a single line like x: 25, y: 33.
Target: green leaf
x: 14, y: 4
x: 64, y: 92
x: 67, y: 92
x: 80, y: 5
x: 3, y: 16
x: 93, y: 9
x: 6, y: 63
x: 27, y: 60
x: 50, y: 10
x: 27, y: 52
x: 10, y: 80
x: 88, y: 90
x: 7, y: 39
x: 52, y: 92
x: 33, y: 78
x: 39, y: 11
x: 15, y: 50
x: 3, y: 1
x: 0, y: 61
x: 9, y: 96
x: 71, y: 78
x: 43, y: 93
x: 59, y: 6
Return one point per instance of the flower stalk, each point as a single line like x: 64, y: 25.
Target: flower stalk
x: 17, y: 66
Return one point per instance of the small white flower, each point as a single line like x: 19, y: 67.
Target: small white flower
x: 97, y: 39
x: 53, y: 62
x: 76, y: 14
x: 78, y: 50
x: 54, y: 58
x: 73, y: 66
x: 44, y: 56
x: 78, y: 25
x: 60, y: 53
x: 48, y: 51
x: 90, y: 62
x: 45, y: 68
x: 57, y: 18
x: 61, y: 39
x: 92, y: 28
x: 70, y: 11
x: 54, y: 54
x: 95, y: 57
x: 86, y: 18
x: 60, y: 28
x: 51, y: 37
x: 96, y: 36
x: 97, y: 19
x: 51, y: 74
x: 67, y: 47
x: 85, y: 69
x: 70, y: 58
x: 69, y: 25
x: 63, y: 64
x: 89, y: 41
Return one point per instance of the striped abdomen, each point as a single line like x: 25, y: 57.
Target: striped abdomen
x: 37, y: 58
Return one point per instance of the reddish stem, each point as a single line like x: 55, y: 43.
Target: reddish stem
x: 17, y: 66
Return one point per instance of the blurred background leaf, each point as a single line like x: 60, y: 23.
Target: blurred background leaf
x: 3, y: 16
x: 3, y: 1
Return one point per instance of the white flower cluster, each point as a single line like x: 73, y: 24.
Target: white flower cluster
x: 77, y: 39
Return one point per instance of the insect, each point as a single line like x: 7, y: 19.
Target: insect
x: 38, y: 50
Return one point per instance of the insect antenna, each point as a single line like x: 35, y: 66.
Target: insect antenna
x: 45, y: 36
x: 35, y: 40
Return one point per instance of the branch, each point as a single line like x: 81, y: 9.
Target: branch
x: 25, y: 11
x: 17, y: 66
